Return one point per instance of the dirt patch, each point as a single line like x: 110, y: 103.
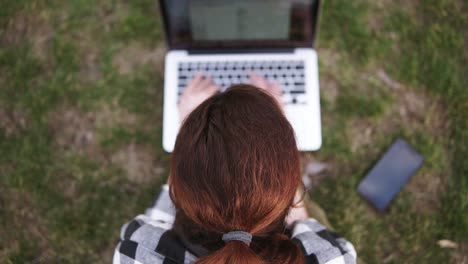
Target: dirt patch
x: 329, y: 89
x: 138, y: 163
x: 329, y: 58
x: 36, y: 29
x: 23, y: 221
x: 385, y: 78
x: 420, y: 111
x: 89, y: 71
x: 461, y: 254
x: 17, y: 28
x: 88, y: 41
x: 412, y: 106
x: 329, y: 85
x: 425, y: 189
x: 40, y: 39
x: 111, y: 115
x: 68, y: 181
x: 12, y: 122
x: 74, y: 130
x: 374, y: 19
x: 31, y: 27
x: 107, y: 254
x: 361, y: 133
x: 77, y: 131
x: 136, y: 54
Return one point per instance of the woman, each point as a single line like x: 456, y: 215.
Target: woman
x: 230, y: 198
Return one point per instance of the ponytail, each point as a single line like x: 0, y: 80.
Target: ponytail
x: 283, y: 250
x: 277, y: 249
x: 234, y: 252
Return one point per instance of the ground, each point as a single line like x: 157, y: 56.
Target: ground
x: 80, y: 125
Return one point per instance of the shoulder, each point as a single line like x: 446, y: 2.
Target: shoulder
x: 145, y: 240
x: 321, y: 245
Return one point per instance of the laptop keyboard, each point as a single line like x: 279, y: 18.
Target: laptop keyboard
x: 290, y: 75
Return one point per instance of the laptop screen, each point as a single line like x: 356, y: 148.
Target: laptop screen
x: 240, y: 23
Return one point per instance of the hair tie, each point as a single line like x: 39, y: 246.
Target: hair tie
x: 239, y: 236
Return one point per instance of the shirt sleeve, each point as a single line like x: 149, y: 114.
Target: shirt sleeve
x: 140, y: 237
x: 163, y: 208
x: 321, y: 245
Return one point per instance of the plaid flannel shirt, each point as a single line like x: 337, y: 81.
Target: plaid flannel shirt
x: 147, y: 239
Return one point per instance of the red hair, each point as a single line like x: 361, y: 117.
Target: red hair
x: 236, y: 166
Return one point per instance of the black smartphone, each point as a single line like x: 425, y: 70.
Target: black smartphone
x: 391, y: 172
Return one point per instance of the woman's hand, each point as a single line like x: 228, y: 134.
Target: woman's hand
x: 196, y: 92
x: 202, y: 87
x: 273, y: 89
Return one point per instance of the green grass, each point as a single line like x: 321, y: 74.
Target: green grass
x: 63, y: 196
x: 427, y: 55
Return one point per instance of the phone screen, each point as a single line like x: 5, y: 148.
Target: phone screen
x: 390, y: 173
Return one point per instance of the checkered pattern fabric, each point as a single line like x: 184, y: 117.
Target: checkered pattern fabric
x: 148, y: 239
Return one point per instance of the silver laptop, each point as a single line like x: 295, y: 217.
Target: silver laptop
x: 227, y: 39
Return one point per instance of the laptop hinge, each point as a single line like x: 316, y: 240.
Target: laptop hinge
x: 238, y: 51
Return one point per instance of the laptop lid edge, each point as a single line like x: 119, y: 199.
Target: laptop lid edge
x: 316, y: 6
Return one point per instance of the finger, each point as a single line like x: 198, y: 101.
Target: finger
x: 204, y: 83
x: 213, y: 89
x: 263, y: 82
x: 278, y: 93
x: 209, y: 76
x: 254, y: 77
x: 276, y: 88
x: 258, y: 81
x: 195, y: 81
